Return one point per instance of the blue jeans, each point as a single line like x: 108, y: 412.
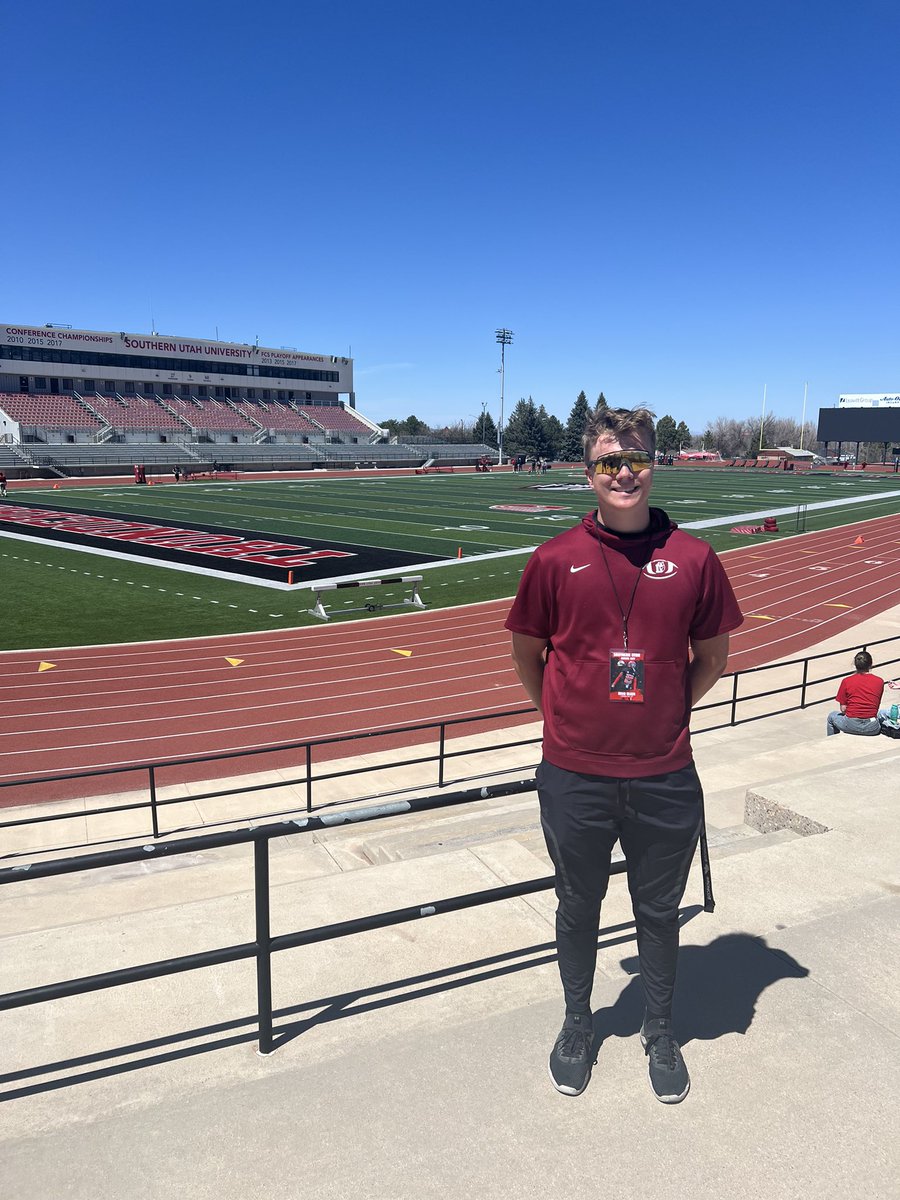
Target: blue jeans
x: 864, y: 726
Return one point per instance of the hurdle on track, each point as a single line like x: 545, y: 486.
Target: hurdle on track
x: 412, y: 581
x: 800, y: 525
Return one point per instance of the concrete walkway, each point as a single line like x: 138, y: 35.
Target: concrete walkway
x: 411, y: 1061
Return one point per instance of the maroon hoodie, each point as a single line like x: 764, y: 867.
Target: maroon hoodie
x: 568, y: 597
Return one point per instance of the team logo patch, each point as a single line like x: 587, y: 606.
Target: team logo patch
x: 528, y: 508
x: 660, y: 568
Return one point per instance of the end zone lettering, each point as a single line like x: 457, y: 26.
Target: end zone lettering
x: 220, y: 545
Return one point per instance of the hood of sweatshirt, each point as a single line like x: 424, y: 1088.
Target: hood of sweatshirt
x: 635, y: 546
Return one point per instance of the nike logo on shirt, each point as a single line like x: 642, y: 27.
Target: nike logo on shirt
x: 575, y: 570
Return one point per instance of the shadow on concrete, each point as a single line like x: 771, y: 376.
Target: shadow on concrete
x: 718, y: 989
x: 719, y: 985
x: 290, y: 1022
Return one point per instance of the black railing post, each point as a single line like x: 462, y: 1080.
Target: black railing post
x: 154, y: 815
x: 309, y: 806
x: 263, y: 944
x: 441, y: 745
x: 803, y: 683
x: 734, y: 698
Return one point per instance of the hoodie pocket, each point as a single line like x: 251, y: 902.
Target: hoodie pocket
x: 586, y: 720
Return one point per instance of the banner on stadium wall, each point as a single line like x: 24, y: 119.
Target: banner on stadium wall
x: 871, y: 400
x: 153, y: 346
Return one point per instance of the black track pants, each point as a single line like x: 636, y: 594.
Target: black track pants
x: 657, y: 820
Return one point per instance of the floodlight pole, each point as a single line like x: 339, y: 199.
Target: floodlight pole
x: 483, y: 420
x: 504, y: 338
x: 762, y: 419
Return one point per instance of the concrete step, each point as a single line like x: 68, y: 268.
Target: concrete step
x: 750, y: 842
x: 431, y: 833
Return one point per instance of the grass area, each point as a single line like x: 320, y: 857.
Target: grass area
x: 57, y: 597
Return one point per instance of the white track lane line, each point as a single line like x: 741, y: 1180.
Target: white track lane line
x: 318, y: 702
x: 215, y: 670
x: 886, y: 580
x: 366, y: 728
x: 770, y: 597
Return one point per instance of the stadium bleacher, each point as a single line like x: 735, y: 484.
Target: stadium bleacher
x: 12, y: 460
x: 454, y: 452
x: 48, y: 412
x: 137, y: 413
x: 214, y: 415
x: 335, y: 419
x: 193, y: 430
x: 107, y: 458
x: 278, y: 418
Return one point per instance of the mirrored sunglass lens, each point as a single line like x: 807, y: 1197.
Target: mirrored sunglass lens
x: 611, y: 464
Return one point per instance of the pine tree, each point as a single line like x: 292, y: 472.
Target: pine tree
x: 571, y: 450
x: 666, y: 435
x: 485, y: 431
x: 554, y: 435
x: 601, y: 401
x: 523, y: 433
x: 682, y: 436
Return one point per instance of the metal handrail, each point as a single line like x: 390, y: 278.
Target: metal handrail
x: 304, y: 750
x: 264, y: 945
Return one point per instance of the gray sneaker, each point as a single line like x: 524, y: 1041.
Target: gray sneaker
x: 668, y: 1075
x: 573, y: 1056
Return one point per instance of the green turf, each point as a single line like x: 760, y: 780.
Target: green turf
x: 57, y: 597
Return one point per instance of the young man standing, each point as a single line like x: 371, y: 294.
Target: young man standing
x: 619, y: 626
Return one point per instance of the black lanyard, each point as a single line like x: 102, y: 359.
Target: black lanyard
x: 612, y: 583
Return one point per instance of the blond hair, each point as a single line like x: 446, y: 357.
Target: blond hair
x: 616, y: 422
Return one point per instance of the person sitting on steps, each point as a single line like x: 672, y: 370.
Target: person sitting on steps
x: 859, y: 696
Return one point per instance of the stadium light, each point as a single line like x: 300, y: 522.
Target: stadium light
x: 504, y: 338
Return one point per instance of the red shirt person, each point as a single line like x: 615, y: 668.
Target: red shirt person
x: 624, y: 595
x: 859, y: 696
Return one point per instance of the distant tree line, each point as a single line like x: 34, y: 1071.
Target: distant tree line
x: 532, y: 431
x: 483, y: 431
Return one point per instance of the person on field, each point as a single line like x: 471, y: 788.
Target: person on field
x: 3, y: 484
x: 623, y: 598
x: 858, y: 696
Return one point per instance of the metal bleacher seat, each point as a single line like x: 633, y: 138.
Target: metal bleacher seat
x: 335, y: 419
x: 39, y: 411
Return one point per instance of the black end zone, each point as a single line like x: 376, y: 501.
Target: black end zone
x: 245, y: 553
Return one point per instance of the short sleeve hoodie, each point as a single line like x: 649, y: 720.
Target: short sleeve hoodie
x: 573, y: 593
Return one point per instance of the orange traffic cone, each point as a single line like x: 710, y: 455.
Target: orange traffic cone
x: 859, y: 542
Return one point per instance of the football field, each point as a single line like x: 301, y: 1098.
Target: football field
x: 467, y: 534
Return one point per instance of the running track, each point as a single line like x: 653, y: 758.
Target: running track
x: 111, y: 706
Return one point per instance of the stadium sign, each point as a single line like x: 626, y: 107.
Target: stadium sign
x: 871, y: 400
x: 154, y: 345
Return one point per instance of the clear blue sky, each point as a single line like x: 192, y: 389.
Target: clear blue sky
x: 674, y: 203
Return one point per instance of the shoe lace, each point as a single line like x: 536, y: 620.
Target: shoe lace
x: 664, y: 1051
x: 575, y: 1043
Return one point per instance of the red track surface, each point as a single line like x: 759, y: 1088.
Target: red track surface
x: 112, y: 706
